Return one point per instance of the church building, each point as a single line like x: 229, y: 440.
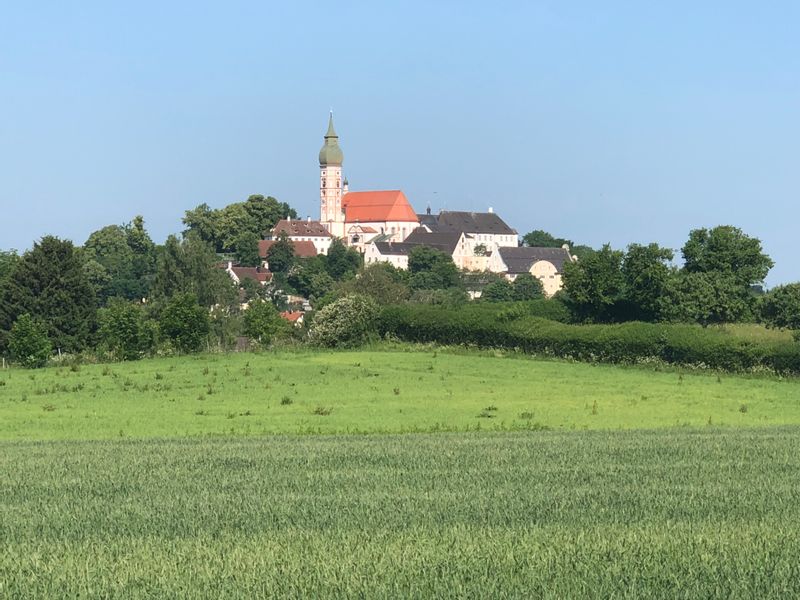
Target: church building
x: 359, y: 217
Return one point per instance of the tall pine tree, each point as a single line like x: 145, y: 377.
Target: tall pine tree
x: 50, y: 284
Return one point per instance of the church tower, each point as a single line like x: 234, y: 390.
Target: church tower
x: 330, y: 182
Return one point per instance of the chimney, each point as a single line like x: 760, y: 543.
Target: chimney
x: 491, y: 210
x: 308, y: 219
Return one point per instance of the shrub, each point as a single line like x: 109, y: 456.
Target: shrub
x: 28, y: 342
x: 185, y: 322
x: 124, y: 330
x: 625, y: 343
x: 263, y: 322
x: 346, y: 322
x: 781, y: 307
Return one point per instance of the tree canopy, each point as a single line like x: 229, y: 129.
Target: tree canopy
x: 49, y: 283
x: 726, y: 249
x: 222, y: 228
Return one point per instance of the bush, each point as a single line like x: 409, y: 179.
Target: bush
x: 781, y: 307
x: 625, y: 343
x: 125, y: 332
x: 346, y: 322
x: 185, y: 322
x: 263, y: 322
x: 28, y: 342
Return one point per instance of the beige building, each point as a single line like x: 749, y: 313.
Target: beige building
x: 546, y: 264
x: 303, y: 231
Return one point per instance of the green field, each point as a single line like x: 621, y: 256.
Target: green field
x: 186, y: 477
x: 667, y: 513
x: 374, y: 392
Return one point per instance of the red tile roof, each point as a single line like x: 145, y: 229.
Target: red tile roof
x: 256, y: 273
x: 303, y: 249
x: 298, y: 227
x: 376, y: 207
x: 292, y: 316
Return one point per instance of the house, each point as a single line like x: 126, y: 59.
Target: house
x: 546, y: 264
x: 295, y: 317
x: 302, y: 249
x: 239, y: 274
x: 396, y: 253
x: 298, y: 230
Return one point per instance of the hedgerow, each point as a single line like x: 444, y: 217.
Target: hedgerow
x: 630, y: 342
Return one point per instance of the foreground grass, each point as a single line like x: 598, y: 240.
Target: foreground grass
x: 373, y: 391
x: 670, y: 513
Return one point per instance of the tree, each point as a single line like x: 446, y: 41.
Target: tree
x: 203, y: 222
x: 263, y: 322
x: 595, y: 285
x: 189, y: 266
x: 527, y: 287
x: 127, y: 257
x: 498, y: 291
x: 233, y: 221
x: 726, y: 249
x: 247, y: 250
x: 266, y: 212
x: 280, y: 255
x: 28, y: 342
x: 542, y: 239
x: 646, y: 272
x: 432, y: 269
x: 49, y: 283
x: 124, y: 330
x: 222, y: 227
x: 381, y: 281
x: 781, y: 307
x: 342, y: 262
x: 185, y: 322
x: 8, y: 260
x: 309, y: 277
x: 705, y: 298
x: 346, y: 322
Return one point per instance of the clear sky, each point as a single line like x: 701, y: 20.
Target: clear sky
x: 602, y: 122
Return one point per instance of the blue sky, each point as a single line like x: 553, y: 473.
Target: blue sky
x: 602, y: 122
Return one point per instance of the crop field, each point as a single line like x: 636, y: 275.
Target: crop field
x: 415, y: 390
x: 662, y: 513
x: 440, y: 473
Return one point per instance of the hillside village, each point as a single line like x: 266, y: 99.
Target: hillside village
x: 384, y: 227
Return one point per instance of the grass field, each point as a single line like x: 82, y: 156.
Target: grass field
x: 374, y: 392
x: 185, y: 477
x: 666, y: 513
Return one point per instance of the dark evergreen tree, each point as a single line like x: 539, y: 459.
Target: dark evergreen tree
x: 50, y: 284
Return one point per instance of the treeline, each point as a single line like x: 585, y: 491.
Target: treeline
x: 719, y: 282
x: 121, y: 296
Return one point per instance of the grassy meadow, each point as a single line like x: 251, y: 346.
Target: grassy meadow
x: 644, y: 514
x: 440, y: 473
x: 361, y: 391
